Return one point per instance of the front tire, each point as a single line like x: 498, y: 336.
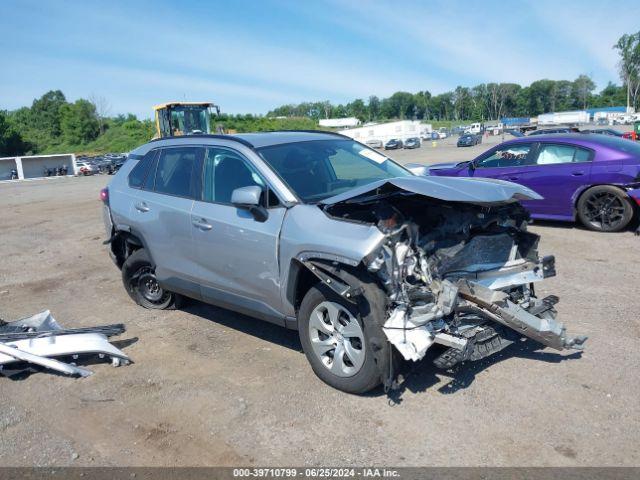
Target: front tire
x: 342, y: 341
x: 605, y: 208
x: 139, y: 279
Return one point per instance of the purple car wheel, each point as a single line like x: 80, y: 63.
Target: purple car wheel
x: 605, y: 209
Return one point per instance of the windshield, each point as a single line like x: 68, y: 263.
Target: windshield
x: 319, y: 169
x: 188, y: 120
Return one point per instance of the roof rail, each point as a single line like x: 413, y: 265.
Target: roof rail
x: 244, y: 142
x: 207, y: 135
x: 328, y: 132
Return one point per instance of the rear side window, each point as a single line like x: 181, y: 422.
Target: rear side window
x: 139, y: 172
x: 174, y: 171
x: 151, y: 175
x: 553, y: 154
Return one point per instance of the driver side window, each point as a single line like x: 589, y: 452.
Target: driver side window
x: 223, y: 172
x: 507, y: 156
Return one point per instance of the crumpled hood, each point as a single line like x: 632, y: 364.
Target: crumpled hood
x: 436, y: 166
x: 450, y: 189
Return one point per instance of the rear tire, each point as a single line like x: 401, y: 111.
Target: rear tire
x: 605, y: 208
x: 139, y: 279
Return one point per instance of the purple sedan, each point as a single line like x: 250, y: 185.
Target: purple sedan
x: 592, y: 178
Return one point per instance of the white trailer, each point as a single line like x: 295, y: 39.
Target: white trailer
x: 340, y: 122
x: 384, y: 132
x: 564, y: 118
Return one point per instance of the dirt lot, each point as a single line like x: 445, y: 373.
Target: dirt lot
x: 210, y: 387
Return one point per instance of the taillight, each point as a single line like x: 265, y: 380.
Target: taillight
x: 104, y: 195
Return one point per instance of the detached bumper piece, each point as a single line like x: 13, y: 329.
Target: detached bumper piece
x: 488, y: 312
x: 496, y: 306
x: 40, y: 340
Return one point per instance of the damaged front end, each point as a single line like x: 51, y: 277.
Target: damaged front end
x: 457, y: 273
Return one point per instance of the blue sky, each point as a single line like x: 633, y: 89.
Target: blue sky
x: 251, y: 56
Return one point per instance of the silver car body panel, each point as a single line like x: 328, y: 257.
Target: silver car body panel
x: 308, y: 233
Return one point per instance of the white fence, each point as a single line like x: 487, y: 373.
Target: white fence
x: 34, y: 166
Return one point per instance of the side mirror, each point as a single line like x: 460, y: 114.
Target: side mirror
x: 248, y: 198
x: 472, y: 166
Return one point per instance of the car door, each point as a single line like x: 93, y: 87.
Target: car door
x: 162, y: 213
x: 557, y: 173
x: 504, y: 162
x: 238, y: 255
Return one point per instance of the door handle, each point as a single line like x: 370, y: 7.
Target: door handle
x: 202, y: 224
x: 577, y: 174
x: 142, y: 207
x: 513, y: 179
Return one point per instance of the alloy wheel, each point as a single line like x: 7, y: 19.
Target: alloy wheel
x: 604, y: 210
x: 337, y: 339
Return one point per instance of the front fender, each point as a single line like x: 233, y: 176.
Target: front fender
x: 635, y: 195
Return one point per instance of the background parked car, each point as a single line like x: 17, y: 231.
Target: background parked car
x: 604, y: 131
x: 590, y: 178
x: 514, y: 133
x: 546, y: 131
x: 393, y: 144
x: 116, y: 163
x: 374, y: 143
x: 469, y: 140
x: 102, y: 163
x: 86, y: 168
x: 412, y: 143
x: 442, y: 133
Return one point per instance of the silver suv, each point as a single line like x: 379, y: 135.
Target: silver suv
x: 372, y: 264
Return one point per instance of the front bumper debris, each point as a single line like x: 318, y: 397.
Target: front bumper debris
x: 497, y: 306
x: 40, y: 340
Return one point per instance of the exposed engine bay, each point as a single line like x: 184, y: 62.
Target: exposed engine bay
x: 457, y: 274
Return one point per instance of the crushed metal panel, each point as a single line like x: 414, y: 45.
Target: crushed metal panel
x: 544, y: 330
x: 16, y: 355
x: 451, y: 189
x: 64, y: 345
x: 39, y: 339
x: 411, y: 341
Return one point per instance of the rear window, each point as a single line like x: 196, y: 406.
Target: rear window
x: 139, y: 172
x: 621, y: 144
x: 552, y: 154
x: 174, y: 170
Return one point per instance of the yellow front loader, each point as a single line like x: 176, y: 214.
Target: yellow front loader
x: 183, y: 118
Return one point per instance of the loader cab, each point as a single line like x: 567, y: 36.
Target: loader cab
x: 183, y: 118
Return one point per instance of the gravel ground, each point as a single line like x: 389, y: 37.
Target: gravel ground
x: 211, y: 387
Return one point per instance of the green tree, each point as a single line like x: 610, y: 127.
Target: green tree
x: 357, y: 109
x: 610, y: 96
x: 374, y: 107
x: 582, y: 88
x: 11, y: 143
x: 628, y: 47
x: 46, y: 112
x: 79, y: 122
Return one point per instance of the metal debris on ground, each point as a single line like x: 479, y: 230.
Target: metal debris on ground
x: 40, y: 341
